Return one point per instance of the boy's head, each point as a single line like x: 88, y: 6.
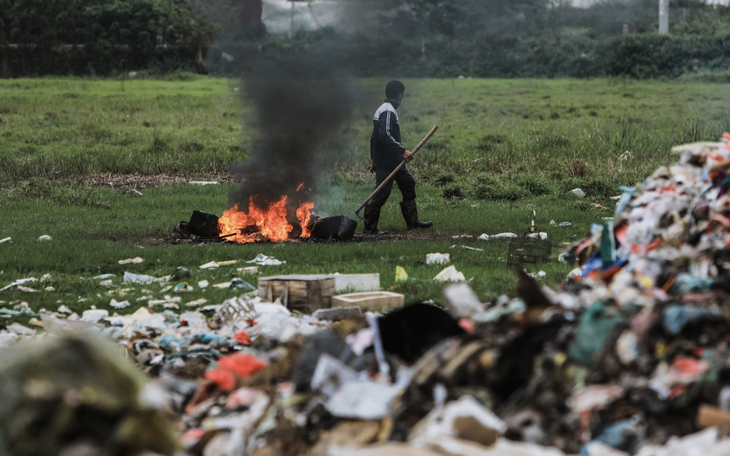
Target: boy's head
x: 394, y: 89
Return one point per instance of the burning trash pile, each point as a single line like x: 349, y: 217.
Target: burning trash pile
x: 629, y: 355
x: 278, y: 222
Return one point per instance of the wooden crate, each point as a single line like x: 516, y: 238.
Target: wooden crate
x: 372, y: 300
x: 304, y: 293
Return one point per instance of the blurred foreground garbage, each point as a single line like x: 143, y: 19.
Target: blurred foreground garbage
x: 78, y: 395
x: 629, y: 355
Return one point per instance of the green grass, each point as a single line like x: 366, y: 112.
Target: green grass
x: 69, y: 128
x: 503, y: 149
x: 92, y: 233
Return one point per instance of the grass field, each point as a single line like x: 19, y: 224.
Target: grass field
x: 503, y: 149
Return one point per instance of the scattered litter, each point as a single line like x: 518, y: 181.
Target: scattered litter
x: 537, y: 275
x: 7, y: 239
x: 461, y: 301
x: 466, y: 247
x: 138, y: 278
x: 104, y: 276
x: 106, y: 283
x: 241, y: 284
x: 437, y: 258
x: 487, y: 237
x: 209, y: 265
x: 248, y: 270
x: 561, y: 225
x: 450, y: 274
x: 363, y: 400
x: 49, y: 289
x: 44, y: 238
x: 203, y: 284
x: 20, y: 330
x: 202, y: 182
x: 222, y: 285
x: 197, y: 302
x: 400, y: 274
x: 578, y: 192
x: 119, y: 304
x: 136, y: 260
x: 182, y: 287
x: 26, y: 289
x: 94, y: 316
x: 263, y: 260
x: 19, y: 282
x: 63, y: 309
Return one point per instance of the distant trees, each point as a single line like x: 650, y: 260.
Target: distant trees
x: 436, y: 38
x: 100, y: 36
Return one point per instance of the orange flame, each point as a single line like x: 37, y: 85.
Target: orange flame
x: 270, y: 223
x: 304, y: 215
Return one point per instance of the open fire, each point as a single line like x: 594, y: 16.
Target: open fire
x: 277, y: 221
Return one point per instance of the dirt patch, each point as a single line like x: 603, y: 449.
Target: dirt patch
x: 413, y: 235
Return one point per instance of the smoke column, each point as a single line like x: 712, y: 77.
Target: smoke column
x: 301, y: 106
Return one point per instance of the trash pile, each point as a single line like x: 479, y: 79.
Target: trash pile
x: 628, y: 356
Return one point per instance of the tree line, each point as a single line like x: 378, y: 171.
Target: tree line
x: 415, y: 38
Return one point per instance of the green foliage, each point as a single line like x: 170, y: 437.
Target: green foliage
x: 101, y: 37
x: 427, y: 38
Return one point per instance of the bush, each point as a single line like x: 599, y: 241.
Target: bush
x: 101, y: 37
x: 536, y: 186
x: 496, y: 188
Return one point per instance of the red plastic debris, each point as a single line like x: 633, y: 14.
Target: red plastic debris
x: 467, y: 325
x: 241, y: 364
x: 242, y: 338
x: 223, y: 378
x: 192, y: 436
x: 224, y: 375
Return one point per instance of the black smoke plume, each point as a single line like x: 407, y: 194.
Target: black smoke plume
x: 301, y: 105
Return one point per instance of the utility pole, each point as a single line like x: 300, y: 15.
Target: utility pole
x: 663, y: 17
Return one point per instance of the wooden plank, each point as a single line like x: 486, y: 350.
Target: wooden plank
x: 373, y: 300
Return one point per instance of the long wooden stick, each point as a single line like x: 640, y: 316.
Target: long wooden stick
x: 395, y: 171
